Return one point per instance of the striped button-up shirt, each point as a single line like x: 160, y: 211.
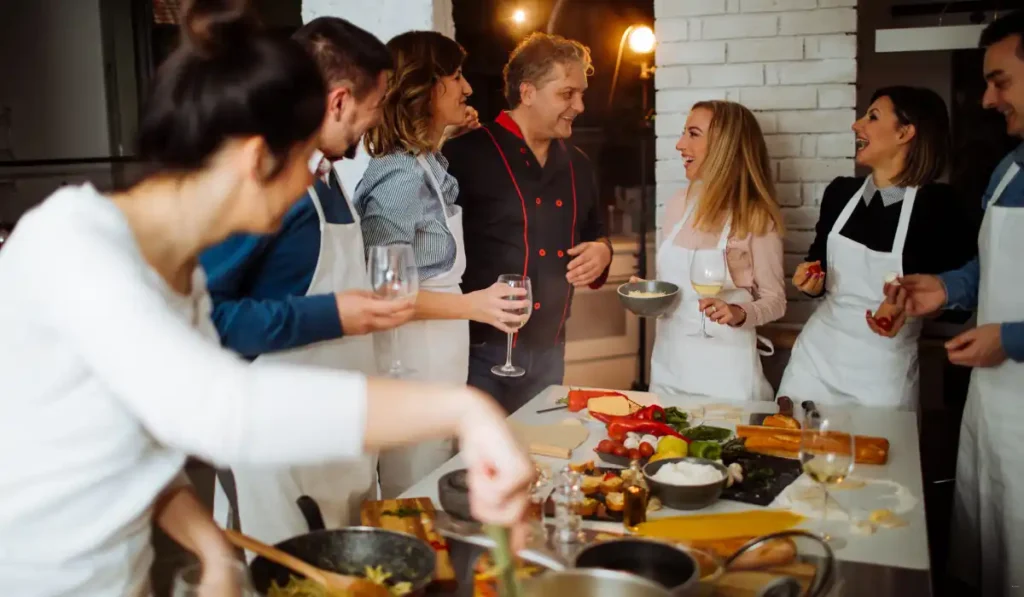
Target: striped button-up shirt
x: 398, y: 204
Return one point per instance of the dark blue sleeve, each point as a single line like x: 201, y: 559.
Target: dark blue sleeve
x: 251, y: 326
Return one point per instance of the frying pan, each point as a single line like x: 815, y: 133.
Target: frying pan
x: 349, y: 551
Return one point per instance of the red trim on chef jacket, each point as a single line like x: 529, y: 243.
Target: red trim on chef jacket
x: 506, y: 122
x: 572, y: 238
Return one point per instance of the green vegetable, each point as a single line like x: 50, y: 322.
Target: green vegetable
x: 502, y: 554
x: 563, y: 401
x: 707, y: 433
x: 676, y: 418
x: 402, y: 512
x: 710, y: 450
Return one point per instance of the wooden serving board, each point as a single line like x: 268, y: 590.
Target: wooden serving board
x: 555, y: 441
x: 418, y: 521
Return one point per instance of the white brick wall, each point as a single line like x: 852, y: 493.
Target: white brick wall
x: 791, y: 61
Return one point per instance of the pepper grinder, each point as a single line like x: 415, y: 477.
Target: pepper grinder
x: 568, y: 497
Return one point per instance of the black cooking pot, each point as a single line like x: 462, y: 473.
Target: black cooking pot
x: 349, y: 551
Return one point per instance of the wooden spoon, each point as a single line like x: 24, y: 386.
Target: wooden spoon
x: 333, y: 581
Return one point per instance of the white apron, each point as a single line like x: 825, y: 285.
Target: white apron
x: 837, y: 358
x: 987, y: 540
x: 435, y: 350
x: 266, y: 496
x: 726, y: 366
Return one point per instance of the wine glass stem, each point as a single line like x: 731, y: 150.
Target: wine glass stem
x: 824, y: 510
x: 703, y: 320
x: 396, y: 362
x: 508, y: 353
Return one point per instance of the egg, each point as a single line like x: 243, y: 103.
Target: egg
x: 631, y: 443
x: 650, y: 439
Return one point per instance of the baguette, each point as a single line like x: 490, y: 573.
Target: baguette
x: 867, y: 450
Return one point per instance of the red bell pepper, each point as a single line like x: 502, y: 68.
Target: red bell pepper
x: 650, y: 413
x: 578, y: 399
x: 618, y: 427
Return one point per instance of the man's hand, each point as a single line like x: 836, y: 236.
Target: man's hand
x: 362, y: 312
x: 980, y: 347
x: 590, y: 260
x: 925, y: 294
x: 471, y: 122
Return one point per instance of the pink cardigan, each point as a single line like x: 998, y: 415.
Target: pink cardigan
x: 755, y: 263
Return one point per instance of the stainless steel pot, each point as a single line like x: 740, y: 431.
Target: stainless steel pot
x: 592, y: 582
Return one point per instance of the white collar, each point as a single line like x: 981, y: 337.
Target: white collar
x: 890, y: 195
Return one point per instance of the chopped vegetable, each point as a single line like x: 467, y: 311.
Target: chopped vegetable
x: 676, y: 418
x: 650, y: 413
x: 711, y: 450
x: 707, y: 433
x: 618, y: 427
x: 578, y: 399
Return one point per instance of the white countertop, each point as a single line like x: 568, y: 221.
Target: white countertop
x: 905, y: 547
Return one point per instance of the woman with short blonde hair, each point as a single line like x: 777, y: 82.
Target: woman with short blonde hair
x: 728, y: 212
x: 407, y: 196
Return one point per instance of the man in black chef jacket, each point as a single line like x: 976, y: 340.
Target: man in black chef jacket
x: 530, y: 206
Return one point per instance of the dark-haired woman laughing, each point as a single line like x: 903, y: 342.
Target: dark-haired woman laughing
x: 896, y: 221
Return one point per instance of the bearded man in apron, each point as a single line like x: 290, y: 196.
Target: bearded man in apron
x: 303, y: 296
x: 987, y: 541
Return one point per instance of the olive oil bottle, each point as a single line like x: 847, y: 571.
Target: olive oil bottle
x: 635, y: 495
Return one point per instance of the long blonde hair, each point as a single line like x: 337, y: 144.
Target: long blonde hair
x: 736, y: 175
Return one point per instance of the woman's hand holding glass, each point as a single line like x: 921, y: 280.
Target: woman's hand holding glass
x: 521, y: 315
x: 493, y: 306
x: 707, y: 276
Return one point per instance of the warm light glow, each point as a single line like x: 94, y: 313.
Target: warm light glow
x: 641, y: 40
x: 519, y: 16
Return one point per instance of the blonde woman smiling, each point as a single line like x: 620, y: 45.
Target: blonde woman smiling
x: 730, y: 206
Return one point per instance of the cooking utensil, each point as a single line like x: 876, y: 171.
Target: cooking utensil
x: 592, y: 582
x: 661, y: 563
x: 811, y: 574
x: 552, y: 409
x: 331, y: 580
x: 651, y: 306
x: 412, y: 516
x: 685, y: 497
x: 349, y: 551
x: 503, y: 561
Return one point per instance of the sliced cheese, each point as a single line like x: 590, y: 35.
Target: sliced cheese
x: 710, y: 527
x: 616, y: 406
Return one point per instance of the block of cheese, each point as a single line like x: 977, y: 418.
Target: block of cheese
x: 616, y: 406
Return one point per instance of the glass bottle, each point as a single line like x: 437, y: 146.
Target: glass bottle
x: 635, y: 496
x: 568, y: 496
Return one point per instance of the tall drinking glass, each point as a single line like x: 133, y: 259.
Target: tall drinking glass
x: 827, y: 454
x: 707, y: 276
x: 393, y: 276
x: 514, y: 281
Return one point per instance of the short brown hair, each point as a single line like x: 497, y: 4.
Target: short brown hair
x: 344, y: 53
x: 535, y: 57
x: 929, y: 149
x: 421, y: 59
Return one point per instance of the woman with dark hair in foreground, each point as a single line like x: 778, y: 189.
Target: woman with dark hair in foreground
x: 113, y: 372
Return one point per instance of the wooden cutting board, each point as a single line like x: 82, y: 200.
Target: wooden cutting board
x: 418, y: 521
x: 556, y: 441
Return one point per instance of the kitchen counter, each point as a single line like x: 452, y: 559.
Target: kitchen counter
x: 889, y: 562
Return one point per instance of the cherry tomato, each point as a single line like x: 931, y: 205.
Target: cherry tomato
x: 620, y: 451
x: 814, y: 269
x: 606, y: 446
x: 634, y: 454
x: 646, y: 450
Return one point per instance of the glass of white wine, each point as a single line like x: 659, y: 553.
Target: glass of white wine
x: 827, y: 454
x: 515, y: 281
x: 707, y: 276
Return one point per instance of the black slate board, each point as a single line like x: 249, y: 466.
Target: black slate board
x: 757, y: 488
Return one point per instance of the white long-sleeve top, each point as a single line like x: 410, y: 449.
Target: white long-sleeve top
x: 108, y: 379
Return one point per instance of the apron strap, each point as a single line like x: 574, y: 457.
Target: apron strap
x: 851, y: 205
x: 1011, y: 172
x: 901, y: 229
x: 315, y: 197
x: 679, y: 226
x: 766, y: 352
